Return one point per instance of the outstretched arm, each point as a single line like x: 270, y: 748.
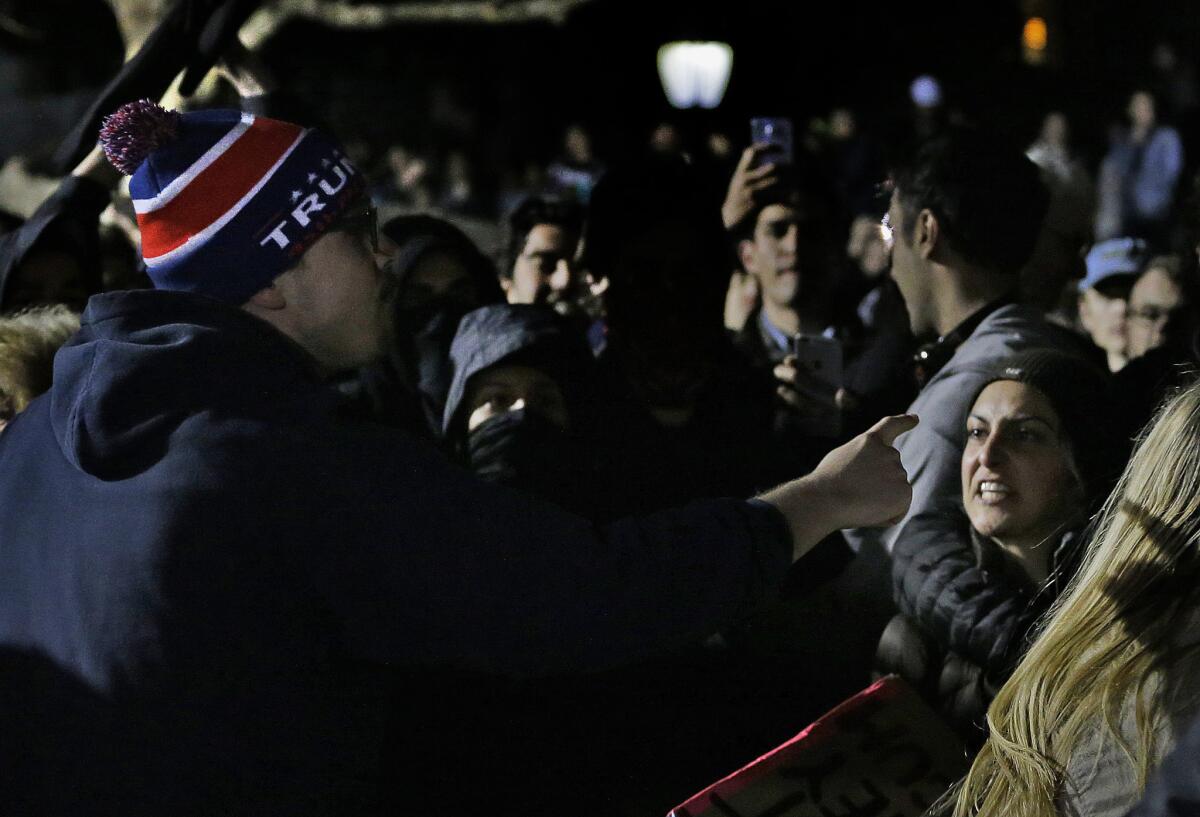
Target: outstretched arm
x: 428, y: 565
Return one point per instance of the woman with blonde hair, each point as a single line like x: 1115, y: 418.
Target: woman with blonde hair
x: 1109, y: 683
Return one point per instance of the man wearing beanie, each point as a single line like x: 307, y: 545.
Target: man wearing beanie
x: 206, y: 583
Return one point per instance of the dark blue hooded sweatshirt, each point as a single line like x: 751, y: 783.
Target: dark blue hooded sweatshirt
x: 205, y: 580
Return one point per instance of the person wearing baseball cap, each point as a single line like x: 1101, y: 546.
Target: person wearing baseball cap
x: 1112, y: 268
x: 207, y: 580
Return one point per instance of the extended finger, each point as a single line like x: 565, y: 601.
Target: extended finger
x: 757, y: 173
x: 889, y: 428
x: 744, y: 163
x: 762, y: 184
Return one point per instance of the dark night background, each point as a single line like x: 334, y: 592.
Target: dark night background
x: 797, y: 59
x: 520, y: 85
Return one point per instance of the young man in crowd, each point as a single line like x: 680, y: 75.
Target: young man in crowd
x: 543, y: 237
x: 1158, y: 302
x: 964, y: 217
x: 1112, y: 268
x: 205, y: 578
x: 782, y: 242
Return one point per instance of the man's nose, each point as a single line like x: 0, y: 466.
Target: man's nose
x: 788, y: 242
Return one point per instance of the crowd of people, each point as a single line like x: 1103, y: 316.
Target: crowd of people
x: 305, y: 510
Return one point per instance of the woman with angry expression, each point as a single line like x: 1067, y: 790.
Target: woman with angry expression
x: 1037, y: 456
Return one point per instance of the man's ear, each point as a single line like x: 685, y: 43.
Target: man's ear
x: 928, y: 234
x: 745, y: 253
x: 269, y: 297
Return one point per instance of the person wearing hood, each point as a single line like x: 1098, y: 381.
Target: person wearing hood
x: 517, y: 409
x: 230, y: 577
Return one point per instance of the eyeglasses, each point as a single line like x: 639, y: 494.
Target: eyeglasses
x: 886, y: 232
x: 361, y: 220
x: 1152, y: 314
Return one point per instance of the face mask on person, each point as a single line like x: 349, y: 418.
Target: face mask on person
x: 524, y: 450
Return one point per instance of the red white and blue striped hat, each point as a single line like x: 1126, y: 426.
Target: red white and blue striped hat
x: 226, y: 201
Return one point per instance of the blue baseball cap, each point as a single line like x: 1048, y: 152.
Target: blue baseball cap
x: 1117, y: 257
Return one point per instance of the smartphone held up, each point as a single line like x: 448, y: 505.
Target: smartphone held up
x: 819, y: 364
x: 776, y: 133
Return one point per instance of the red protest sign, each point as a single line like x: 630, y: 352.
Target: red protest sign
x: 882, y: 753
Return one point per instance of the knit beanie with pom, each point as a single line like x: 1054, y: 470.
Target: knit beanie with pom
x: 226, y: 201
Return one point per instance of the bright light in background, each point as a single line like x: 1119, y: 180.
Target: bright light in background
x: 695, y: 74
x: 926, y: 92
x: 1034, y: 37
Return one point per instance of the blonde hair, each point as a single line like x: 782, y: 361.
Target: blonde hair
x: 1105, y: 644
x: 28, y: 341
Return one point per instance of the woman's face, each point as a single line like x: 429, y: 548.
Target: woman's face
x: 1018, y: 485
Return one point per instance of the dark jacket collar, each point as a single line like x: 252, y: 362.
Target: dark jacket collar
x: 931, y: 357
x: 1064, y: 560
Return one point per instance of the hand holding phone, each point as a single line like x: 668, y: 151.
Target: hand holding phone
x: 776, y: 133
x: 753, y: 174
x: 819, y: 357
x: 811, y: 379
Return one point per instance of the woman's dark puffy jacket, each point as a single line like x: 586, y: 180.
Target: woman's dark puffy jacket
x: 964, y: 620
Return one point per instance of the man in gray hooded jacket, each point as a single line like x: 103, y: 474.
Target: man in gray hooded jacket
x: 964, y: 216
